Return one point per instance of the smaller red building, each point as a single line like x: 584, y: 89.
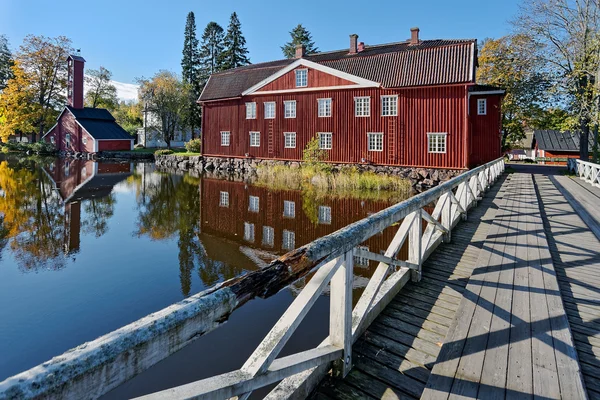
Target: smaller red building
x: 555, y: 147
x: 85, y: 129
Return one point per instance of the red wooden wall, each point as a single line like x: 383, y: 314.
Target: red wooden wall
x: 485, y: 140
x: 114, y: 145
x: 67, y: 124
x: 316, y: 78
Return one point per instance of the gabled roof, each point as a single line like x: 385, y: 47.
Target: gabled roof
x: 98, y: 122
x: 559, y: 141
x: 76, y: 58
x: 486, y: 89
x: 91, y: 113
x: 431, y: 62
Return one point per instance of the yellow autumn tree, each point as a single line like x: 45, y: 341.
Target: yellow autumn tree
x: 18, y: 110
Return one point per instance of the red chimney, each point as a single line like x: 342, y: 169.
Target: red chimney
x: 361, y: 46
x: 353, y: 44
x: 414, y: 36
x: 75, y: 81
x: 300, y: 50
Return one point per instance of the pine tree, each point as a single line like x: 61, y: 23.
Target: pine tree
x: 5, y: 62
x: 300, y: 35
x: 211, y: 50
x: 235, y: 52
x: 190, y: 72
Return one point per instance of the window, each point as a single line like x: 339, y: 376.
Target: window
x: 375, y: 141
x: 389, y: 106
x: 362, y: 106
x: 289, y: 109
x: 436, y: 142
x: 253, y: 204
x: 68, y: 139
x: 268, y: 238
x: 270, y: 110
x: 290, y: 140
x: 289, y: 209
x: 224, y: 199
x: 52, y: 139
x: 324, y: 107
x: 249, y: 232
x: 361, y: 261
x: 67, y: 169
x: 84, y: 172
x: 254, y: 139
x: 84, y: 140
x: 324, y: 215
x: 250, y: 110
x: 481, y: 106
x: 325, y: 140
x: 301, y: 77
x: 225, y: 138
x: 289, y: 240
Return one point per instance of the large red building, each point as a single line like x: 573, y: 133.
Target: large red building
x: 84, y: 129
x: 413, y: 103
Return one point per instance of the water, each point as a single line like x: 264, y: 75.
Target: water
x: 87, y: 247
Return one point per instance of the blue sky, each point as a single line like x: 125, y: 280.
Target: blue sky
x: 134, y: 38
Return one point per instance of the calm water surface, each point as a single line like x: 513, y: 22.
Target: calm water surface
x: 87, y: 247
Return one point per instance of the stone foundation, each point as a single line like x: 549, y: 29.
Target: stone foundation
x: 239, y: 168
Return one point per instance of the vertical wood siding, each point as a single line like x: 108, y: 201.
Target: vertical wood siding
x: 316, y: 78
x: 420, y: 110
x: 67, y: 124
x: 114, y: 145
x: 485, y: 130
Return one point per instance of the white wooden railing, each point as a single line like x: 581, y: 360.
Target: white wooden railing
x: 588, y: 171
x: 333, y: 256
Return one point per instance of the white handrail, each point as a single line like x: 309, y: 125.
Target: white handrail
x: 588, y: 171
x: 333, y: 256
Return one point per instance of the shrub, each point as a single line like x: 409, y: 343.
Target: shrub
x: 312, y: 153
x: 194, y: 146
x: 42, y: 148
x: 163, y: 152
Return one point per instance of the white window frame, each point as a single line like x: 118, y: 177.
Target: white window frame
x: 305, y: 83
x: 224, y: 199
x: 322, y: 110
x: 323, y: 143
x: 289, y: 240
x: 225, y: 138
x: 289, y: 209
x: 251, y: 110
x: 437, y: 146
x: 268, y: 236
x: 254, y: 139
x: 254, y: 204
x: 68, y: 139
x: 268, y: 105
x: 481, y: 106
x: 361, y: 261
x: 362, y: 106
x: 389, y: 112
x: 84, y: 140
x: 52, y: 140
x: 292, y: 109
x: 377, y: 140
x: 324, y: 215
x: 289, y: 140
x: 249, y: 232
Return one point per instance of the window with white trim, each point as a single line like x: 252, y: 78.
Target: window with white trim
x: 268, y: 237
x: 289, y: 140
x: 325, y: 215
x: 250, y: 110
x: 289, y: 240
x: 289, y: 109
x: 361, y: 261
x: 67, y: 168
x: 84, y: 140
x: 84, y: 172
x: 325, y: 140
x: 269, y: 110
x: 436, y: 142
x: 225, y: 138
x: 254, y: 139
x: 375, y: 140
x: 224, y: 199
x: 301, y: 78
x: 253, y: 204
x: 324, y: 106
x: 362, y: 106
x: 481, y: 106
x: 68, y: 139
x: 52, y: 140
x: 389, y: 106
x: 289, y: 209
x: 249, y: 232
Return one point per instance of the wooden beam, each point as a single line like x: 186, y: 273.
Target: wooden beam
x: 388, y: 261
x: 340, y: 314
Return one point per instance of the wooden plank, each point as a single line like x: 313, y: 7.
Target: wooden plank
x: 392, y: 360
x: 585, y: 205
x: 340, y: 313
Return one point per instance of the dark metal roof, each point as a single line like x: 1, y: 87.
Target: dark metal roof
x: 484, y: 88
x: 431, y: 62
x: 98, y: 187
x: 76, y: 58
x: 559, y: 141
x: 99, y: 123
x: 91, y: 113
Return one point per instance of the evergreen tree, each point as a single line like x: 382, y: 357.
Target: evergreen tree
x: 300, y: 35
x: 235, y: 52
x: 190, y: 73
x: 211, y: 50
x: 5, y: 62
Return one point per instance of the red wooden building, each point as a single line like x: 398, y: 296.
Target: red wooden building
x: 413, y: 103
x: 555, y: 147
x: 84, y: 129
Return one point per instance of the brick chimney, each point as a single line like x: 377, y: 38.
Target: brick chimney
x: 414, y: 36
x: 361, y: 46
x: 300, y: 50
x: 75, y: 81
x: 353, y: 44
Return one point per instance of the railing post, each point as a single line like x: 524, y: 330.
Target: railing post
x: 415, y: 235
x: 464, y: 201
x: 340, y: 318
x: 447, y: 219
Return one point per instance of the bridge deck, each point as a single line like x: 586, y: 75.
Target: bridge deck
x: 516, y: 308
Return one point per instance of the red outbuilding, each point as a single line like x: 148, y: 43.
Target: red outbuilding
x: 85, y: 129
x: 413, y: 103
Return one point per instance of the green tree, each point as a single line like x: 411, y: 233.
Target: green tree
x: 211, y: 50
x: 234, y: 53
x: 129, y: 115
x: 101, y: 93
x: 300, y: 35
x: 5, y: 62
x: 190, y: 73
